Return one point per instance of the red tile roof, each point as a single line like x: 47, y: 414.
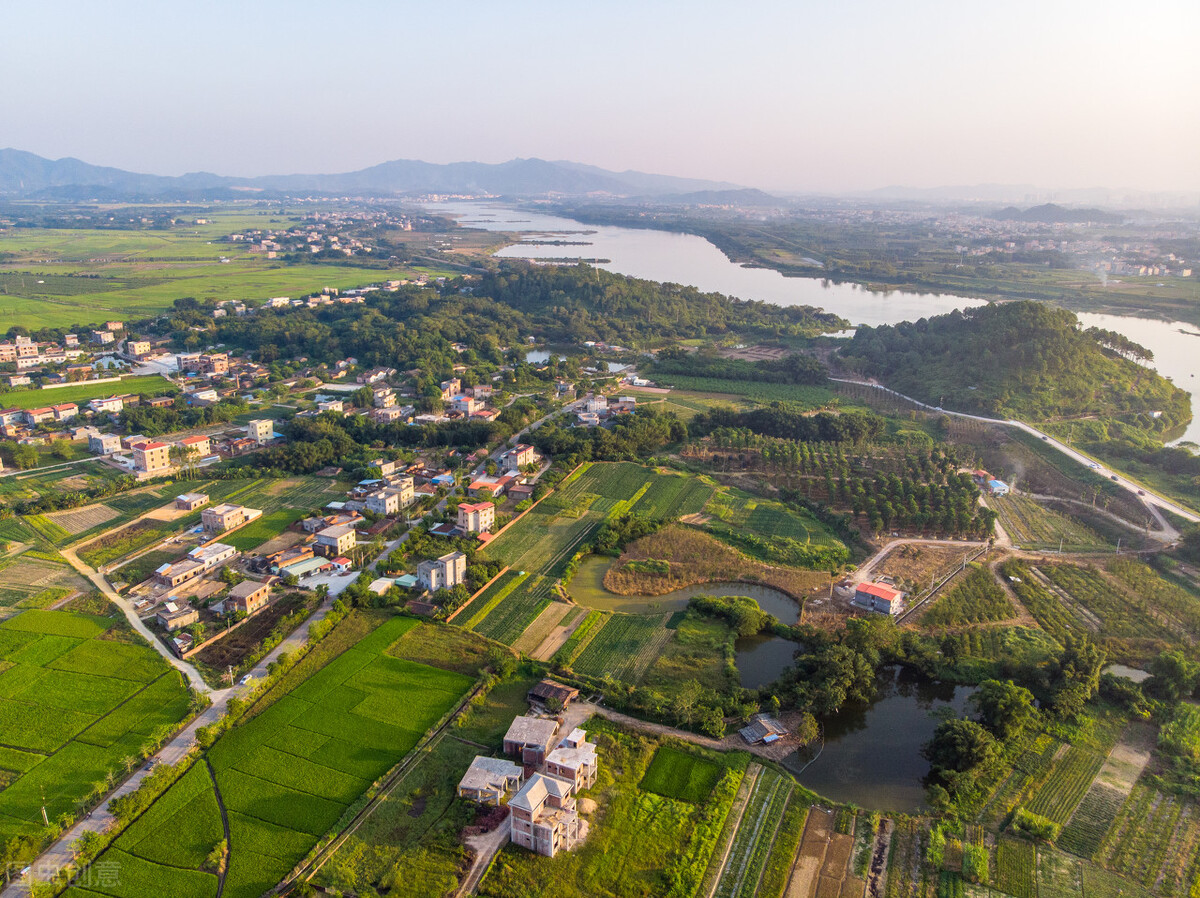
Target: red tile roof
x: 879, y: 591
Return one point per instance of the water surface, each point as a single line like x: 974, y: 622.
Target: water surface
x: 872, y: 753
x: 689, y: 259
x: 587, y: 588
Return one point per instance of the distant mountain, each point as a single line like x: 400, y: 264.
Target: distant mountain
x: 1049, y: 213
x: 26, y: 175
x: 1028, y: 194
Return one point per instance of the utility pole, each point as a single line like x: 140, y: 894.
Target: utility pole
x: 230, y: 674
x: 1118, y: 545
x: 1060, y: 545
x: 45, y: 818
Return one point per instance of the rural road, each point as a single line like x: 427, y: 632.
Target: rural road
x: 61, y: 853
x: 1142, y: 492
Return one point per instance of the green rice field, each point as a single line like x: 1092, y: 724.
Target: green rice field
x: 74, y: 705
x: 151, y: 385
x: 288, y: 774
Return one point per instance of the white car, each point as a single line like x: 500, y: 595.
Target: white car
x: 1094, y: 465
x: 246, y: 679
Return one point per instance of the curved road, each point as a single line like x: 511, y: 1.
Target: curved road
x: 1142, y: 492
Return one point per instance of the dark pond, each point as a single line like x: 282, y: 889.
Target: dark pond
x: 761, y: 659
x: 872, y: 754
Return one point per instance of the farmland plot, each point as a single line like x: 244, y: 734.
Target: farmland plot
x: 73, y: 707
x: 624, y: 647
x: 76, y: 520
x: 755, y: 835
x: 1031, y: 526
x: 1068, y: 783
x: 287, y: 774
x: 516, y: 610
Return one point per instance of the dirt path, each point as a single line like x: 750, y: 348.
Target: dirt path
x: 734, y: 820
x: 1023, y: 618
x: 486, y: 846
x: 558, y: 637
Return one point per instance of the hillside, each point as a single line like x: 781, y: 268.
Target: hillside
x: 24, y: 174
x: 1021, y: 359
x: 1050, y: 213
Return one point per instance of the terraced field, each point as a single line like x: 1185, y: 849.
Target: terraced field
x: 74, y: 705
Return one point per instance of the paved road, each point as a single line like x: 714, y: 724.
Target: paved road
x: 1142, y: 492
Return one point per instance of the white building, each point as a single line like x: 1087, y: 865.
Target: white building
x: 443, y: 573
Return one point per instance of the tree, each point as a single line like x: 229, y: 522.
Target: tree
x: 24, y: 456
x: 1173, y: 676
x: 1006, y: 709
x: 960, y: 752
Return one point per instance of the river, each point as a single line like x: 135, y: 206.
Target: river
x: 688, y: 259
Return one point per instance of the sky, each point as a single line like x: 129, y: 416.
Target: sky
x: 796, y: 96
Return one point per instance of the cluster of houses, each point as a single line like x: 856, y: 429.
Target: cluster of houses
x: 155, y: 458
x: 332, y: 232
x: 543, y: 772
x: 27, y: 354
x: 598, y: 408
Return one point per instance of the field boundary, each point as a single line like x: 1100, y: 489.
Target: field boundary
x: 463, y: 607
x: 309, y: 867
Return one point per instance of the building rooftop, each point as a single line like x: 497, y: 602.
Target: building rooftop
x: 536, y: 790
x: 245, y: 589
x: 879, y: 591
x: 490, y: 773
x: 531, y: 731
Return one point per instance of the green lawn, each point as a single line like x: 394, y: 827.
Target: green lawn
x: 80, y: 393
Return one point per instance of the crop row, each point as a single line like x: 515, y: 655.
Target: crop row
x: 1068, y: 783
x: 1156, y: 841
x: 624, y: 647
x: 576, y: 641
x: 1120, y: 614
x: 1033, y: 527
x: 1030, y: 769
x: 783, y: 852
x: 493, y: 595
x: 508, y: 620
x: 755, y: 834
x: 1092, y: 819
x: 1042, y: 604
x: 1160, y: 593
x: 974, y: 599
x: 1016, y: 861
x: 671, y: 497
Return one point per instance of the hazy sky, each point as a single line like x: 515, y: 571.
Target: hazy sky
x: 829, y: 95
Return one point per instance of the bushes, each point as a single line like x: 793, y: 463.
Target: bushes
x: 1035, y: 826
x: 742, y: 613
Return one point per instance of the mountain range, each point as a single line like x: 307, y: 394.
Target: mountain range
x: 25, y: 175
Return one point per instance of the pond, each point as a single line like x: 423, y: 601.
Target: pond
x: 587, y: 588
x: 761, y: 659
x: 872, y: 753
